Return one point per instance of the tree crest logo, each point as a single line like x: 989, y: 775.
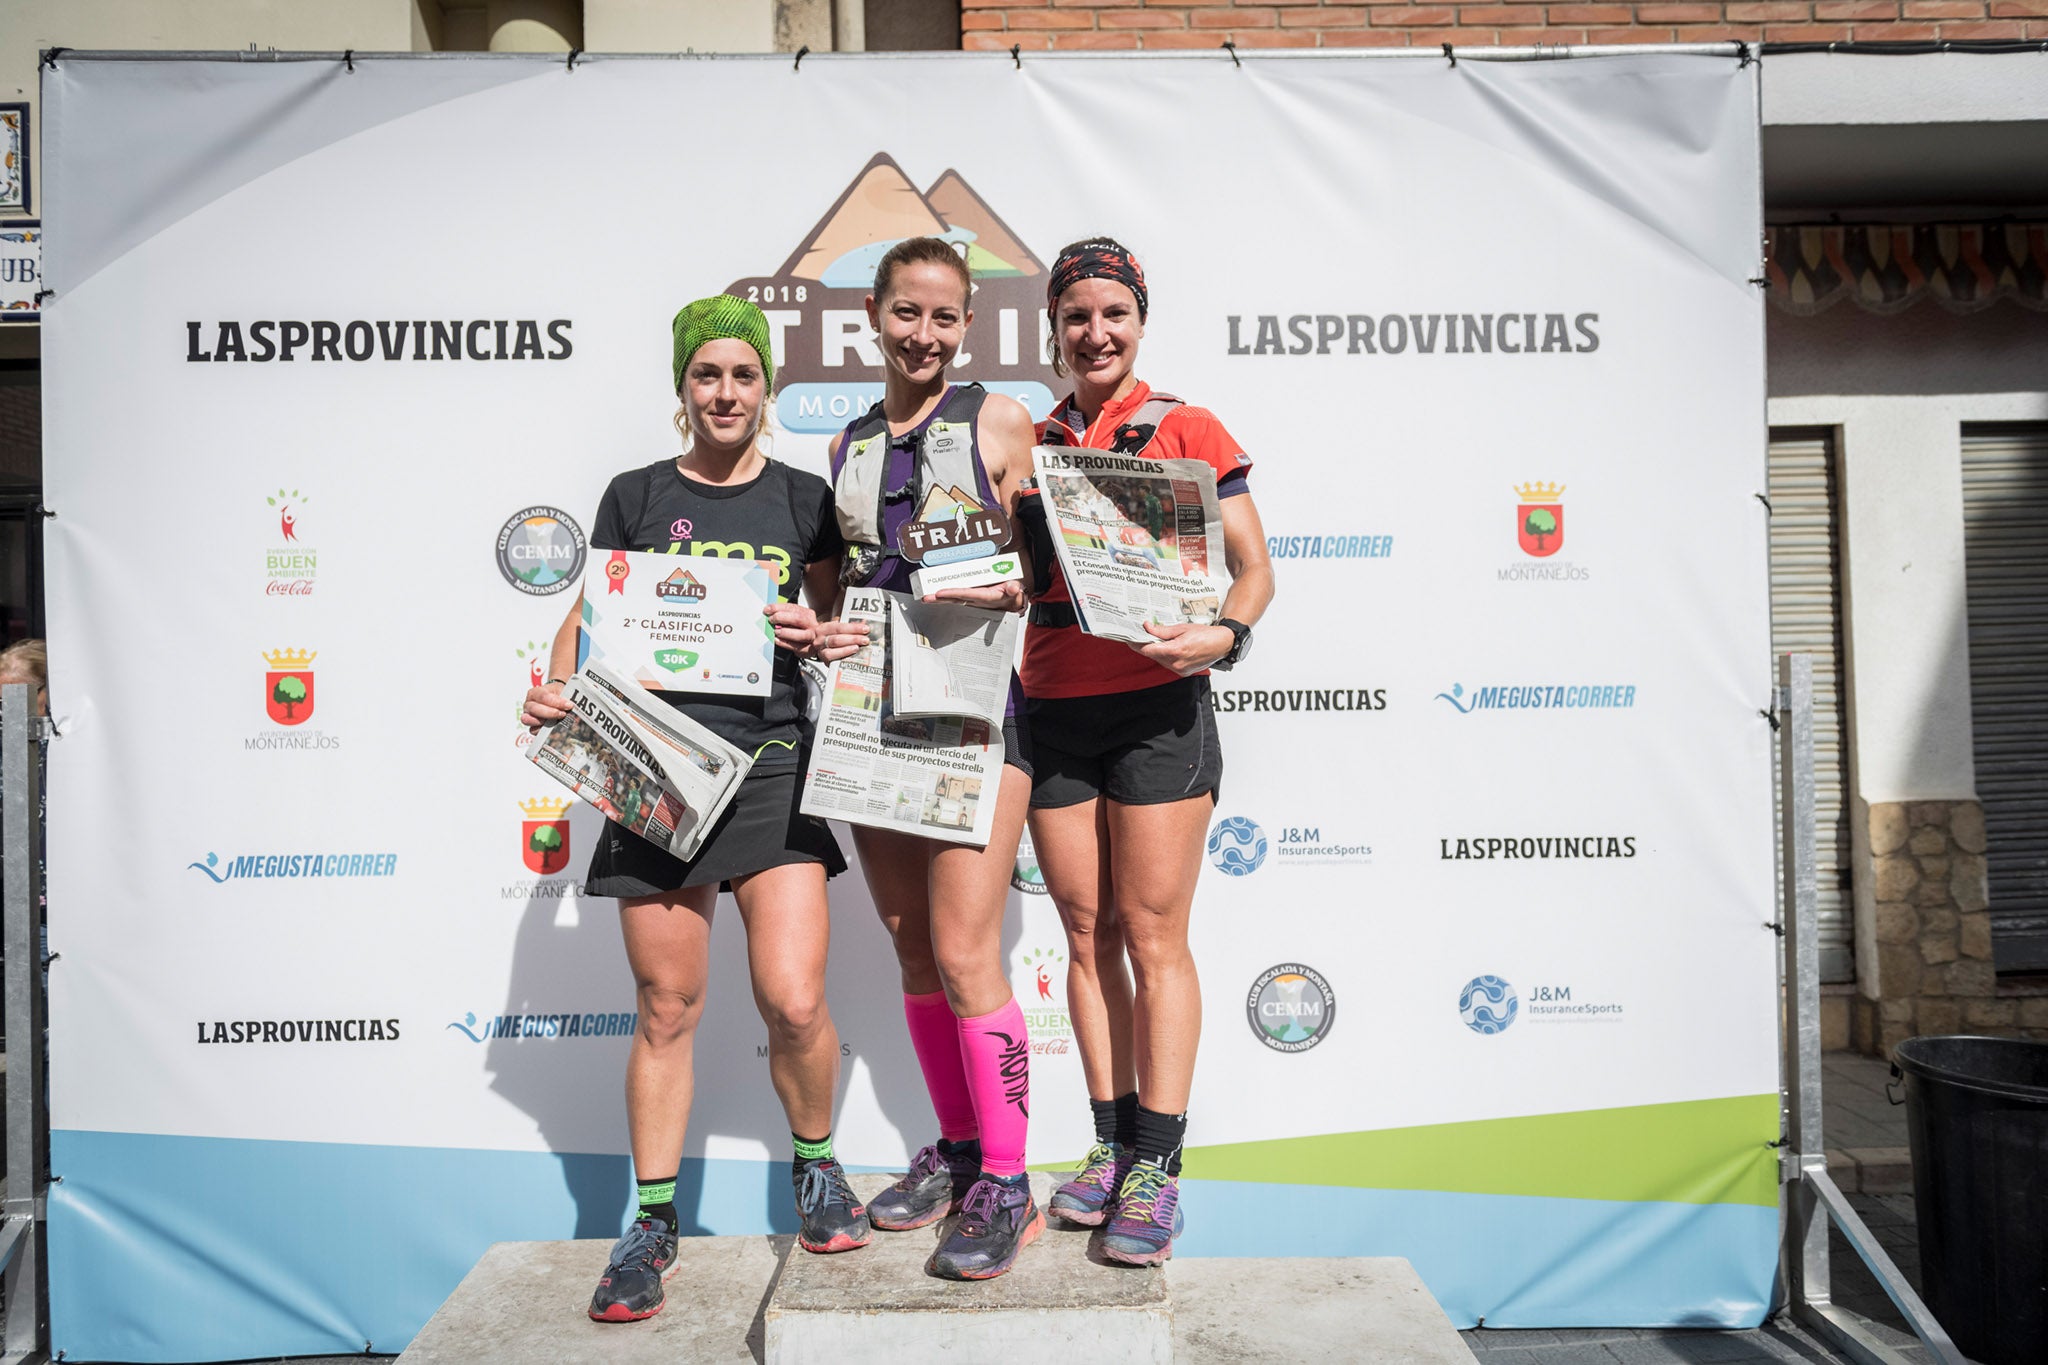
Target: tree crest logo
x: 1539, y: 518
x: 828, y: 369
x: 288, y: 686
x: 544, y: 835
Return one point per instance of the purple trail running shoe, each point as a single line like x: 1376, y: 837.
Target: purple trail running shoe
x: 1089, y: 1196
x: 998, y: 1220
x: 1147, y: 1217
x: 938, y: 1181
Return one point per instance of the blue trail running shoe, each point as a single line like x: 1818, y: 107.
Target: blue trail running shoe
x: 1147, y: 1219
x: 937, y: 1183
x: 630, y: 1288
x: 998, y: 1219
x: 833, y: 1220
x: 1088, y: 1198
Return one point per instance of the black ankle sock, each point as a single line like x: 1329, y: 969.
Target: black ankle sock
x: 1126, y: 1119
x: 658, y: 1200
x: 966, y: 1147
x: 1105, y: 1120
x: 1159, y: 1138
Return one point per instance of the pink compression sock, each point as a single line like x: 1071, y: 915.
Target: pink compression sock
x: 935, y: 1036
x: 997, y: 1052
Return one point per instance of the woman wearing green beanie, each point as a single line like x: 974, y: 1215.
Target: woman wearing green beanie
x: 724, y: 496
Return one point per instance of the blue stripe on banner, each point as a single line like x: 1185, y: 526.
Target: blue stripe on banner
x: 1517, y: 1260
x: 232, y: 1248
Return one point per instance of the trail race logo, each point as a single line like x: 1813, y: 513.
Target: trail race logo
x: 540, y: 550
x: 547, y: 1027
x: 827, y: 366
x: 265, y: 865
x: 1025, y: 876
x: 544, y: 835
x: 288, y: 686
x: 1488, y: 1004
x: 1291, y: 1007
x: 289, y: 569
x: 1237, y: 846
x: 1542, y: 697
x: 1539, y: 518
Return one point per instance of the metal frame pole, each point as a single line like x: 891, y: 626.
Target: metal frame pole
x: 1812, y: 1197
x: 20, y: 846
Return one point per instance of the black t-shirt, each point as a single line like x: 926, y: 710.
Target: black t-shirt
x: 784, y: 517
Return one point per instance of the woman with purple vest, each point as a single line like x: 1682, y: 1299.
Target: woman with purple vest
x: 943, y: 902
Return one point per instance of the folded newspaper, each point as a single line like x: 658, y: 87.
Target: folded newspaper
x: 640, y: 761
x: 934, y: 776
x: 950, y: 659
x: 1139, y: 540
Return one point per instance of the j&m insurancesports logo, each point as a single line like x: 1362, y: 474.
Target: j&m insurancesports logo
x: 1290, y: 1007
x: 265, y: 865
x: 547, y: 1026
x: 827, y: 367
x: 290, y: 565
x: 269, y: 340
x: 540, y: 550
x: 1237, y: 846
x: 298, y: 1031
x: 1542, y: 697
x: 1488, y: 1004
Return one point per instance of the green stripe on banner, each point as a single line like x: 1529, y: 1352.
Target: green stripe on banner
x: 1694, y: 1152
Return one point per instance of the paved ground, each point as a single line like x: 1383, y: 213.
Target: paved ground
x: 1866, y: 1136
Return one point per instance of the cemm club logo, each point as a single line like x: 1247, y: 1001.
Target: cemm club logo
x: 1291, y: 1007
x: 541, y: 550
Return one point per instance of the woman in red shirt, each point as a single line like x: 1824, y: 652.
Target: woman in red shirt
x: 1126, y: 770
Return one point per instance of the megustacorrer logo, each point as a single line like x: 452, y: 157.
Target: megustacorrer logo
x: 544, y: 835
x: 828, y: 369
x: 1539, y: 518
x: 288, y: 686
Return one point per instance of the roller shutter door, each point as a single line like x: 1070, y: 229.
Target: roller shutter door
x: 1806, y: 617
x: 2005, y: 526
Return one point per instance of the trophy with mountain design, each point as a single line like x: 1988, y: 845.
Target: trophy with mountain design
x: 958, y: 542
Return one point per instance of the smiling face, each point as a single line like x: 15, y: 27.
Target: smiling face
x: 1098, y: 328
x: 724, y: 390
x: 922, y: 316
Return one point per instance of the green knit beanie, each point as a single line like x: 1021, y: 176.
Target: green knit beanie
x: 717, y: 317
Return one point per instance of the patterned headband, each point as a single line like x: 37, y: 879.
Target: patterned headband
x: 1097, y: 259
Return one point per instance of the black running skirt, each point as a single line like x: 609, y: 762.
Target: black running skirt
x: 762, y: 828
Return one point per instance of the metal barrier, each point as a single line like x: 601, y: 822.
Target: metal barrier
x: 1811, y: 1195
x: 24, y: 1329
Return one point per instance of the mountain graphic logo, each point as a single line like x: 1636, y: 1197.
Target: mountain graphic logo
x: 828, y: 369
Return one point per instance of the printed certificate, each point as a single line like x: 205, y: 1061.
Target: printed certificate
x: 681, y: 623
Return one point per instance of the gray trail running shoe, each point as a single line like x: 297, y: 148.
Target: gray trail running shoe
x: 937, y: 1183
x: 833, y: 1220
x: 1090, y: 1196
x: 630, y: 1288
x: 997, y: 1220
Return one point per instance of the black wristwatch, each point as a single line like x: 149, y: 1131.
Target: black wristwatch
x: 1240, y: 647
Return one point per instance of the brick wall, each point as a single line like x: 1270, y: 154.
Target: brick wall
x: 1155, y: 24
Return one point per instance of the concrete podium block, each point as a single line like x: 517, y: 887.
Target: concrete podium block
x: 878, y: 1304
x: 1368, y: 1310
x: 524, y: 1304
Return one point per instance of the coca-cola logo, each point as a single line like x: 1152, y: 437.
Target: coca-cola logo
x: 291, y: 564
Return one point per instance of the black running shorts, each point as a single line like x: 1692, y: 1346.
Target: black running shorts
x: 762, y: 828
x: 1141, y: 748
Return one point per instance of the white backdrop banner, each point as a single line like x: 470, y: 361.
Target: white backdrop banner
x: 1482, y: 940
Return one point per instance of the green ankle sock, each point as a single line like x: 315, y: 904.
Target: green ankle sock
x: 807, y: 1150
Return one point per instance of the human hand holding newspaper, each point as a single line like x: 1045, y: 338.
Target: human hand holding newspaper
x: 1140, y: 542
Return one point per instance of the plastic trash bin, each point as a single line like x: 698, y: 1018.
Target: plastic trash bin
x: 1977, y: 1118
